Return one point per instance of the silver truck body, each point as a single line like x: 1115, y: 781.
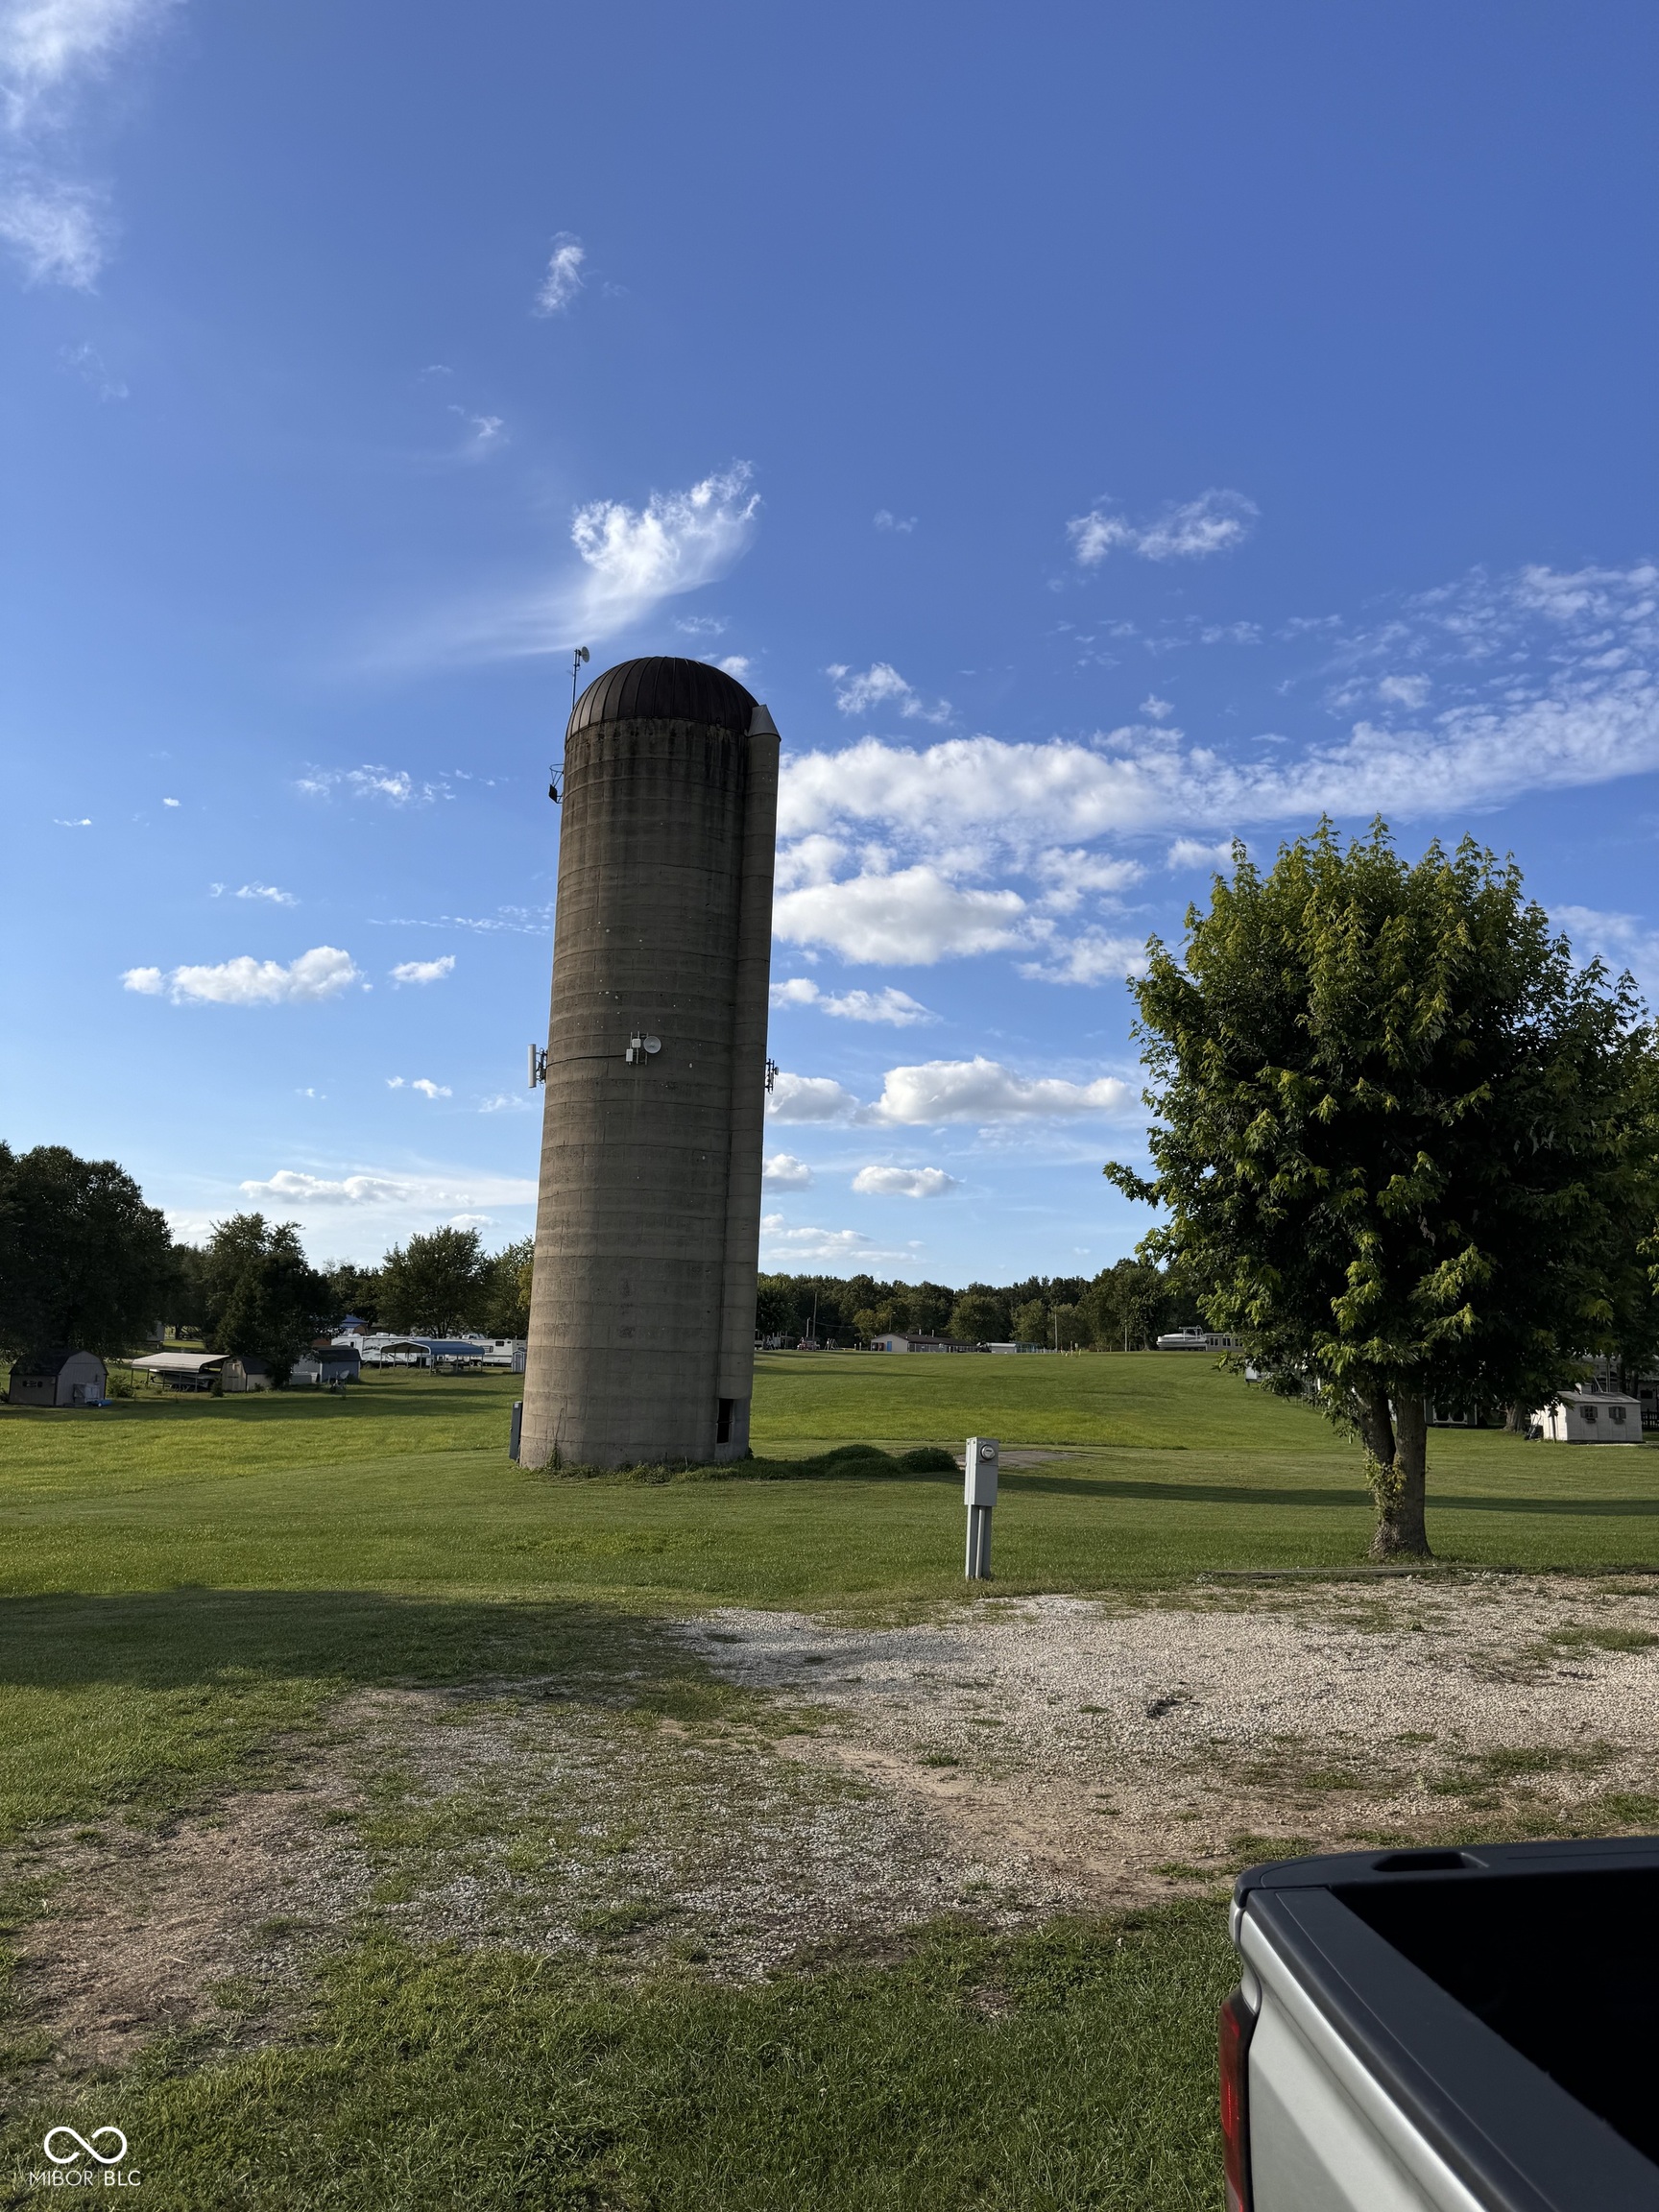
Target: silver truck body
x: 1370, y: 2085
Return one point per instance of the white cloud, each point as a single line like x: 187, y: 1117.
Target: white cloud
x: 1215, y: 522
x: 982, y: 1091
x: 905, y: 1182
x: 261, y: 890
x: 432, y: 1194
x: 735, y: 665
x: 810, y: 1098
x: 1193, y: 852
x: 885, y: 520
x: 782, y: 1171
x: 629, y: 561
x: 897, y: 1008
x: 79, y: 822
x: 485, y: 432
x: 320, y: 974
x: 1621, y: 940
x: 394, y: 1082
x: 506, y: 1102
x: 1069, y: 875
x: 564, y: 277
x: 1559, y: 688
x: 59, y: 228
x: 883, y: 686
x: 912, y: 918
x: 424, y: 971
x: 431, y: 1090
x: 828, y: 1247
x: 1411, y: 692
x: 374, y: 780
x: 1093, y: 958
x: 172, y: 802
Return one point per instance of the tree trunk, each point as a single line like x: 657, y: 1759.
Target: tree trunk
x: 1399, y: 1485
x: 1517, y: 1420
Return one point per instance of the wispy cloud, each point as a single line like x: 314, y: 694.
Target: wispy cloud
x: 430, y: 1089
x: 268, y: 891
x: 628, y: 560
x: 424, y: 971
x: 395, y: 786
x: 810, y: 1098
x: 562, y: 278
x: 883, y: 686
x: 88, y: 365
x: 805, y: 1246
x: 1193, y: 852
x: 895, y: 1007
x: 904, y: 1182
x: 1621, y: 940
x: 1215, y: 522
x: 324, y: 973
x: 884, y: 519
x: 51, y: 51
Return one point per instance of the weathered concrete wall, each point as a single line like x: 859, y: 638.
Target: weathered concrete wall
x: 649, y: 1204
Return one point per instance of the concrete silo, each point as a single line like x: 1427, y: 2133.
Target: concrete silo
x: 642, y: 1312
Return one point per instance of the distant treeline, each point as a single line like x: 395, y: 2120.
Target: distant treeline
x: 1119, y: 1309
x: 85, y: 1263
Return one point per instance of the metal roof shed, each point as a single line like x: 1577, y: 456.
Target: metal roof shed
x: 59, y: 1378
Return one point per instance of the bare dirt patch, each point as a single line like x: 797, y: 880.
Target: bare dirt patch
x: 1132, y: 1751
x: 1004, y: 1760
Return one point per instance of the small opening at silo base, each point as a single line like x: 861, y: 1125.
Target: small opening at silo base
x: 723, y: 1421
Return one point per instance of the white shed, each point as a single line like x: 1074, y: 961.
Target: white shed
x: 60, y: 1379
x: 1591, y: 1417
x: 243, y: 1371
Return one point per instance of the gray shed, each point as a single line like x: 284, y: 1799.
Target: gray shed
x: 60, y: 1379
x: 244, y: 1371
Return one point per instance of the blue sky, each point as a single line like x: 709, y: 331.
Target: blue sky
x: 1095, y: 432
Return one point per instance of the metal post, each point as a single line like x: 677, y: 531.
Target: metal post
x: 979, y: 1488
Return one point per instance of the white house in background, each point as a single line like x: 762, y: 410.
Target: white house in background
x: 1591, y: 1416
x: 1197, y: 1340
x: 59, y: 1378
x: 893, y: 1343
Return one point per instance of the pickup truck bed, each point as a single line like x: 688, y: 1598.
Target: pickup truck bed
x: 1472, y: 2031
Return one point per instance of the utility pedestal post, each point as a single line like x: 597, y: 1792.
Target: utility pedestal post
x: 980, y: 1487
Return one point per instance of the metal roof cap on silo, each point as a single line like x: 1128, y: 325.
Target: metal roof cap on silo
x: 663, y: 689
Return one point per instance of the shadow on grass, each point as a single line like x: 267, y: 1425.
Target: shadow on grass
x: 1440, y: 1501
x: 346, y: 1639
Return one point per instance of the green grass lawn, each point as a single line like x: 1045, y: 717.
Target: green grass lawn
x: 188, y: 1580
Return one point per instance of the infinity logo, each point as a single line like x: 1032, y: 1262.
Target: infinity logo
x: 68, y: 2157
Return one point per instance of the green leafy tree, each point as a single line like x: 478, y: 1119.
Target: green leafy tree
x: 927, y: 1308
x: 1029, y: 1322
x: 83, y: 1262
x: 506, y: 1277
x: 354, y: 1291
x: 1401, y: 1141
x: 436, y: 1284
x: 260, y: 1294
x: 1129, y: 1303
x: 979, y: 1316
x: 1069, y: 1329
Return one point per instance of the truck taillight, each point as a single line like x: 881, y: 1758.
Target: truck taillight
x: 1236, y: 2024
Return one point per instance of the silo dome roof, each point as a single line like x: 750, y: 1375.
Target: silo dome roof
x: 661, y: 689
